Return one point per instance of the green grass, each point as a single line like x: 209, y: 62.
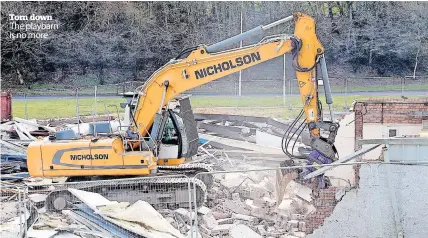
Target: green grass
x: 60, y: 108
x: 86, y: 87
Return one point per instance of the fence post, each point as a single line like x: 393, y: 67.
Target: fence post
x: 237, y: 93
x: 26, y: 108
x: 346, y: 93
x: 25, y: 197
x: 95, y: 95
x: 77, y: 110
x: 290, y: 92
x: 283, y: 83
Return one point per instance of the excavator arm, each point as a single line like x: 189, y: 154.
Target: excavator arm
x: 205, y: 64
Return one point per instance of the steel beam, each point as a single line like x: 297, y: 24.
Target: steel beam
x: 341, y: 161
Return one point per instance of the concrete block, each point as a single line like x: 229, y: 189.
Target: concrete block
x: 256, y: 191
x: 294, y: 223
x: 285, y: 204
x: 303, y: 192
x: 37, y: 197
x: 244, y: 192
x: 267, y: 223
x: 235, y: 207
x: 245, y: 218
x: 221, y: 230
x: 209, y: 221
x: 204, y: 230
x: 225, y: 221
x: 302, y: 226
x: 299, y: 234
x: 288, y: 227
x: 221, y: 208
x: 220, y: 215
x: 204, y: 210
x: 269, y: 202
x: 261, y: 229
x: 236, y: 197
x: 241, y: 231
x: 233, y: 180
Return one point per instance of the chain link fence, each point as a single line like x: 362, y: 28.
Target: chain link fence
x: 15, y: 210
x: 113, y: 208
x: 280, y: 97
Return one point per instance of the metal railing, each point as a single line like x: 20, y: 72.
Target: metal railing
x: 15, y: 210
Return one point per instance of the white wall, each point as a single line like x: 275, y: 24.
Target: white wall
x: 376, y: 131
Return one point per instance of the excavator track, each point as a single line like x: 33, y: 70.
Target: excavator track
x: 191, y: 170
x: 161, y: 192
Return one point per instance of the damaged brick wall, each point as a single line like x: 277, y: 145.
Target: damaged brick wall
x: 398, y: 111
x: 324, y: 202
x: 409, y: 111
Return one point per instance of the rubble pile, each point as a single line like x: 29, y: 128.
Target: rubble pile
x: 239, y: 204
x: 245, y: 205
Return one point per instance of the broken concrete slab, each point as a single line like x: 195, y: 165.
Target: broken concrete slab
x: 41, y: 233
x: 220, y: 215
x: 225, y: 221
x: 299, y: 234
x: 242, y: 144
x: 93, y: 200
x: 37, y: 197
x: 204, y: 210
x: 34, y: 124
x: 235, y: 207
x: 293, y: 223
x: 232, y: 180
x: 222, y: 230
x: 185, y: 214
x: 303, y: 192
x: 209, y: 221
x: 241, y: 231
x: 245, y: 218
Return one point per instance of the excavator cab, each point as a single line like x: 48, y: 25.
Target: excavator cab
x: 176, y: 137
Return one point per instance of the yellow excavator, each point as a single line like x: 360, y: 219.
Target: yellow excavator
x: 162, y: 136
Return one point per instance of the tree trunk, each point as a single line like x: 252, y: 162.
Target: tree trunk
x: 416, y: 63
x: 101, y: 74
x: 348, y: 44
x: 330, y: 10
x: 20, y: 78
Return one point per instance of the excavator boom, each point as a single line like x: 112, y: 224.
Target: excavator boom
x: 206, y: 64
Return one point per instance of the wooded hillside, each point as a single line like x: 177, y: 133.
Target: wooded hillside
x: 125, y: 41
